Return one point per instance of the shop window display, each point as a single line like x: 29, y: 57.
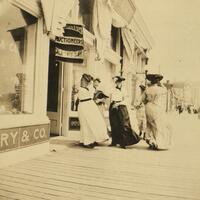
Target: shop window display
x: 77, y: 73
x: 17, y: 57
x: 86, y: 13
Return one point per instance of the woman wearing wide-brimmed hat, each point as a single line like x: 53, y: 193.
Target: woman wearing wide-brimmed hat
x: 121, y: 130
x: 158, y: 131
x: 93, y: 127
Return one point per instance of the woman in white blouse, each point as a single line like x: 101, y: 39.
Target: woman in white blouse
x: 93, y: 127
x: 121, y: 130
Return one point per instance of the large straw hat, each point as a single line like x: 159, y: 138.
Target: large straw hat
x: 154, y: 78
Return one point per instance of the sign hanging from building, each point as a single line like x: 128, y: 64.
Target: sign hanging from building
x: 70, y: 46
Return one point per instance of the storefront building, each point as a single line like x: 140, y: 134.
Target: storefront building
x: 115, y: 43
x: 24, y: 55
x: 38, y: 94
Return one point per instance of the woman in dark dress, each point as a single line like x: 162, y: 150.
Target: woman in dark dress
x: 121, y: 130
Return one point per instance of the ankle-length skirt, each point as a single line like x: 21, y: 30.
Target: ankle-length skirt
x: 92, y: 125
x: 121, y: 130
x: 158, y: 131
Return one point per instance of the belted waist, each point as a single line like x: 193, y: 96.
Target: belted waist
x: 83, y: 100
x: 116, y: 101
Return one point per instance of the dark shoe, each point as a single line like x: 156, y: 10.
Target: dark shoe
x: 153, y: 147
x: 81, y: 144
x: 89, y: 146
x: 112, y: 145
x: 95, y: 144
x: 122, y: 146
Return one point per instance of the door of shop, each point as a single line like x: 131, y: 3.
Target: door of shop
x: 72, y: 74
x: 55, y: 93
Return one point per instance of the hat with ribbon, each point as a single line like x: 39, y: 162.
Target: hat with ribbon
x: 100, y: 95
x: 97, y: 79
x: 87, y: 77
x: 119, y: 78
x: 154, y: 78
x: 142, y: 87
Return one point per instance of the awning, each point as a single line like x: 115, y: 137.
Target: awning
x: 129, y: 42
x: 116, y: 13
x: 124, y: 8
x: 18, y: 19
x: 30, y: 6
x: 56, y: 13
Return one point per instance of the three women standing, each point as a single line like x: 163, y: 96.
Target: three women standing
x: 93, y: 126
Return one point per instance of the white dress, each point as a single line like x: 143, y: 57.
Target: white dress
x: 158, y: 129
x: 93, y: 127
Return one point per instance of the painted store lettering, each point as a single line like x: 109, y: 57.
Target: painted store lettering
x: 74, y: 28
x: 23, y: 136
x: 5, y: 137
x: 69, y: 40
x: 39, y: 133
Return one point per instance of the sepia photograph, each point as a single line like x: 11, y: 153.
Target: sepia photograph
x: 99, y: 100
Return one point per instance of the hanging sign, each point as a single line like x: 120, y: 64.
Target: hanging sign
x: 70, y: 46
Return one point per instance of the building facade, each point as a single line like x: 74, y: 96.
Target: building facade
x: 38, y: 94
x: 23, y: 92
x: 115, y: 43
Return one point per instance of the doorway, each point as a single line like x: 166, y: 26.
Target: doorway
x: 55, y: 93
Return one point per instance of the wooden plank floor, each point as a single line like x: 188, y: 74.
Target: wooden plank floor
x: 110, y: 173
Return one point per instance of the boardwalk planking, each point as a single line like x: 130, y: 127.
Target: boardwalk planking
x: 109, y: 173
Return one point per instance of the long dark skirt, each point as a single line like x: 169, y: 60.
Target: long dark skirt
x: 121, y: 130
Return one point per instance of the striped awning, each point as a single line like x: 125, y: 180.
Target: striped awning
x: 56, y: 13
x: 124, y: 8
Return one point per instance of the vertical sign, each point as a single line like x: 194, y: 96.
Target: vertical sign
x: 70, y: 46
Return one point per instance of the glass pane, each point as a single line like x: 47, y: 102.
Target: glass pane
x: 17, y: 50
x: 77, y: 73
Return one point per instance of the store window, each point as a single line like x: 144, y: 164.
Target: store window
x: 17, y: 59
x: 78, y: 70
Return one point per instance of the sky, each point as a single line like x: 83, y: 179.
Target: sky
x: 175, y: 28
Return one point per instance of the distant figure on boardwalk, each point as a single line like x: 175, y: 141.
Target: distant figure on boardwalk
x: 198, y: 112
x: 121, y: 130
x: 180, y: 109
x: 140, y: 111
x: 93, y: 127
x: 158, y: 132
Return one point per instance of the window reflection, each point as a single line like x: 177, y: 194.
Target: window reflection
x: 17, y: 51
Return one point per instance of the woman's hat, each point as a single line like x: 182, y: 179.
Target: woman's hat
x: 154, y: 78
x: 142, y: 87
x: 87, y: 77
x: 97, y: 79
x: 100, y: 95
x: 119, y: 78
